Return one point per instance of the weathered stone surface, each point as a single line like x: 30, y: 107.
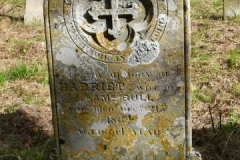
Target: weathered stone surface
x: 33, y: 11
x: 231, y: 8
x: 118, y: 78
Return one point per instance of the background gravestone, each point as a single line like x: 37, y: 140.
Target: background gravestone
x: 119, y: 78
x: 33, y: 11
x: 231, y: 8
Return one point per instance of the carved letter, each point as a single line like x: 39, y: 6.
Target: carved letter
x: 126, y: 98
x: 110, y: 86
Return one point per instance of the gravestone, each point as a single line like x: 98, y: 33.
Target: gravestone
x: 119, y: 79
x: 231, y: 8
x: 33, y: 11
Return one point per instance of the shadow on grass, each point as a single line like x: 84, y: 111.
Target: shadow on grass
x: 22, y: 138
x: 24, y: 135
x: 223, y: 144
x: 12, y: 18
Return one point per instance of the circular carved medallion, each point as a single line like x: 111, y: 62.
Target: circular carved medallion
x: 109, y: 30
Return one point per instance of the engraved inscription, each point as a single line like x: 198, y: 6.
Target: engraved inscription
x: 74, y: 73
x: 121, y: 120
x: 88, y: 109
x: 102, y: 98
x: 74, y: 87
x: 154, y: 88
x: 137, y: 97
x: 121, y: 131
x: 111, y: 86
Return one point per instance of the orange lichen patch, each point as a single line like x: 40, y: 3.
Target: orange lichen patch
x: 116, y: 137
x: 148, y: 120
x: 68, y: 152
x: 111, y: 46
x: 127, y: 139
x: 67, y: 8
x: 181, y: 149
x: 153, y: 154
x: 82, y: 153
x: 64, y: 118
x: 152, y: 141
x: 164, y: 122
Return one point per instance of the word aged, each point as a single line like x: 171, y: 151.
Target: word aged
x: 121, y: 131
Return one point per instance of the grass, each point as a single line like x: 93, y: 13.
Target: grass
x: 202, y: 96
x: 14, y: 1
x: 236, y: 89
x: 234, y: 59
x: 24, y: 140
x: 235, y: 119
x: 29, y: 154
x: 215, y: 78
x: 11, y: 6
x: 21, y: 70
x: 25, y: 113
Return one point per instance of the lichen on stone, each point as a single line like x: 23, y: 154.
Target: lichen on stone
x: 145, y: 52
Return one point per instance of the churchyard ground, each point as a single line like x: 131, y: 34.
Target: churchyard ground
x: 25, y: 112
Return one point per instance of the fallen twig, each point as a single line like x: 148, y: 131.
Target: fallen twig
x: 8, y: 155
x: 11, y: 9
x: 220, y: 120
x: 212, y: 118
x: 227, y: 142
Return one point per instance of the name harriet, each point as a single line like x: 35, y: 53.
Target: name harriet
x: 103, y: 86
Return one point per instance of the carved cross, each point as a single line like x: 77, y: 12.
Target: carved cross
x: 118, y: 8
